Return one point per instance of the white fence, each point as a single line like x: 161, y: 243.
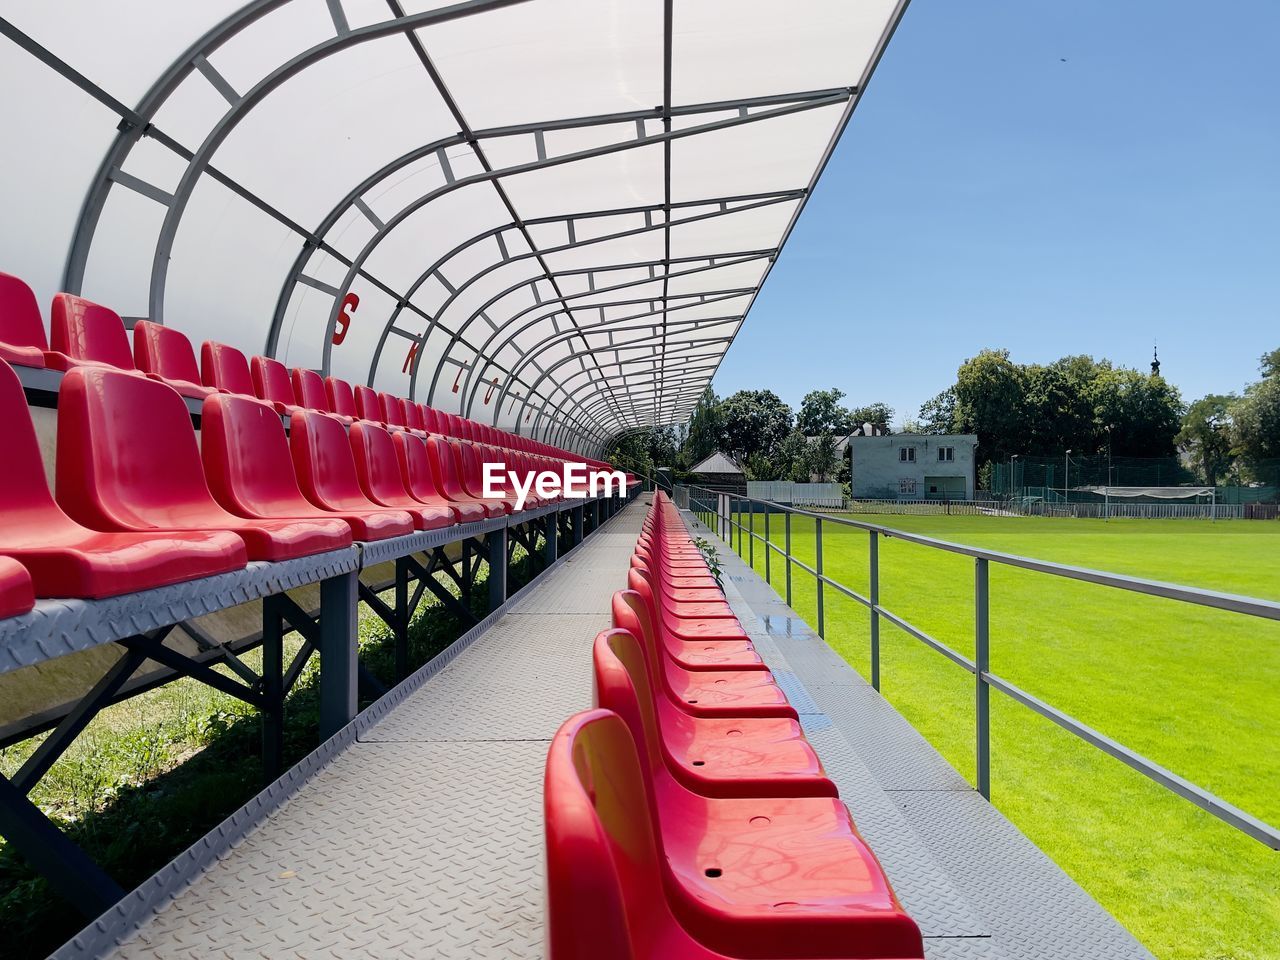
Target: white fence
x: 1038, y: 508
x: 826, y: 495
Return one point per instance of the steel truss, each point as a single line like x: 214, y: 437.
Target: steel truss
x: 459, y: 555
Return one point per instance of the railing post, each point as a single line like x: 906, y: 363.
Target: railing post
x: 737, y: 523
x: 768, y: 549
x: 496, y: 544
x: 982, y: 662
x: 788, y: 546
x: 751, y: 534
x: 817, y: 533
x: 874, y: 593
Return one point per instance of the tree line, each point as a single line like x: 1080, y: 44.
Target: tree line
x: 1075, y: 403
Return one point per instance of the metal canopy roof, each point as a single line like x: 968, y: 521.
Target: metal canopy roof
x: 549, y: 215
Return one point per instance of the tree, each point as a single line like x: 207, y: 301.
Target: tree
x: 1143, y: 410
x: 990, y: 393
x: 821, y: 413
x: 938, y: 414
x: 1257, y: 416
x: 1207, y: 434
x: 879, y: 415
x: 755, y: 424
x: 706, y: 428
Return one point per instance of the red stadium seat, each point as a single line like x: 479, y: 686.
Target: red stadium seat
x: 444, y: 473
x: 225, y: 368
x: 368, y: 405
x: 392, y: 408
x: 84, y: 332
x: 642, y: 871
x: 326, y: 469
x: 342, y: 402
x: 22, y: 339
x: 378, y: 471
x: 249, y: 467
x: 413, y: 416
x: 68, y: 560
x: 165, y: 354
x: 415, y: 467
x: 726, y: 757
x: 16, y: 594
x: 704, y: 693
x: 308, y: 389
x: 728, y: 648
x: 128, y: 460
x: 271, y: 383
x: 430, y: 419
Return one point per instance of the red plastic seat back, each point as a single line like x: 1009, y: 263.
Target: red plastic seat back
x: 392, y: 410
x: 368, y: 406
x: 412, y: 415
x: 342, y: 400
x: 622, y: 685
x: 226, y: 368
x: 308, y: 390
x: 22, y: 338
x: 444, y: 468
x: 23, y: 488
x: 604, y: 885
x: 84, y: 330
x: 415, y: 466
x: 430, y: 419
x: 246, y: 455
x: 271, y: 380
x: 164, y: 351
x: 127, y: 453
x: 377, y: 467
x: 322, y: 460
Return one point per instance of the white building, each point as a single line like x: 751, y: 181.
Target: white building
x: 913, y: 466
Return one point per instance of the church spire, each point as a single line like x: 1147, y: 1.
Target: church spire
x: 1155, y: 360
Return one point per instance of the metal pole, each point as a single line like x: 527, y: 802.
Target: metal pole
x: 272, y: 690
x: 751, y: 534
x: 817, y: 531
x: 402, y: 618
x: 338, y: 663
x: 496, y: 541
x: 552, y: 546
x: 768, y: 549
x: 874, y: 567
x: 982, y: 663
x: 788, y: 545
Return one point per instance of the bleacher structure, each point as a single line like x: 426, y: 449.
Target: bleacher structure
x: 414, y: 240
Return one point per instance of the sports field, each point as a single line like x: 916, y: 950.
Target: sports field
x: 1196, y: 690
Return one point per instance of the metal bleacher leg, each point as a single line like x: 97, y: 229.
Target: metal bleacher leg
x: 577, y: 513
x: 272, y: 690
x: 496, y: 542
x: 552, y: 547
x: 338, y: 673
x: 68, y: 869
x: 401, y: 626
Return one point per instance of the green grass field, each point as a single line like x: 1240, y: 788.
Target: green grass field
x: 1196, y: 690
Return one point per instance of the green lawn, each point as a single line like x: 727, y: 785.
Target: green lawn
x: 1196, y: 690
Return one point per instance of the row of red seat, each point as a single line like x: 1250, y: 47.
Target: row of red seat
x: 688, y: 818
x: 140, y: 504
x: 84, y: 332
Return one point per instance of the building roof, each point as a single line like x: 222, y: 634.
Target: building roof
x: 549, y: 215
x: 718, y: 463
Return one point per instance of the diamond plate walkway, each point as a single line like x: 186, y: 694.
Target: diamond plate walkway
x: 423, y: 837
x: 976, y: 886
x: 417, y: 832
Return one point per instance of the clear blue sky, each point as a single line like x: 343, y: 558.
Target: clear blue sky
x: 988, y: 194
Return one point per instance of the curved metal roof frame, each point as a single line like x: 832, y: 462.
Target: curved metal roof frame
x: 503, y: 277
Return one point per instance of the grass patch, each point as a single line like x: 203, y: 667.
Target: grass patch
x: 1194, y: 689
x: 153, y: 774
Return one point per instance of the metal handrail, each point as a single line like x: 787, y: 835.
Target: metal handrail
x: 725, y: 521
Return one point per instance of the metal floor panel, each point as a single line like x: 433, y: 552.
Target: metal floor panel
x: 423, y: 838
x: 979, y: 889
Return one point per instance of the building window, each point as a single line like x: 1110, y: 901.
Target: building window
x: 946, y: 454
x: 907, y: 485
x: 907, y: 454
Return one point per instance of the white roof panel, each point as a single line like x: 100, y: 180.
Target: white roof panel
x: 579, y: 198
